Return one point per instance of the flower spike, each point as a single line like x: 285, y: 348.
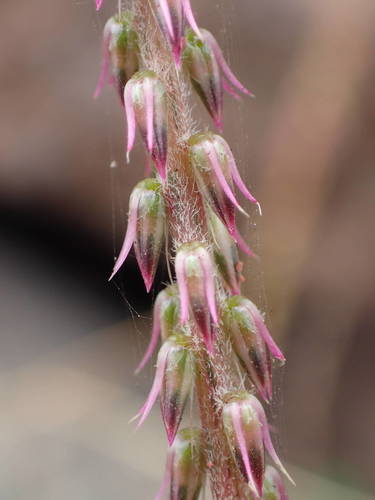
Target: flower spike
x: 225, y: 253
x: 165, y: 320
x: 204, y: 60
x: 185, y: 468
x: 216, y: 170
x: 248, y: 435
x: 173, y: 380
x: 196, y: 283
x: 145, y: 229
x: 120, y: 52
x: 248, y: 344
x: 274, y: 488
x: 146, y: 104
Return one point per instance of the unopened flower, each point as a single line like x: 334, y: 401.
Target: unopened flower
x: 165, y: 320
x: 120, y: 53
x: 99, y: 3
x: 146, y: 104
x: 196, y: 284
x: 225, y: 253
x: 274, y: 488
x: 145, y: 229
x: 251, y: 341
x: 205, y: 61
x: 248, y: 435
x: 216, y: 171
x: 185, y: 468
x: 171, y: 15
x: 173, y: 381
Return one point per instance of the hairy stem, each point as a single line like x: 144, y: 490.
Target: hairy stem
x: 186, y: 218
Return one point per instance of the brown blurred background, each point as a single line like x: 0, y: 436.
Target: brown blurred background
x: 70, y: 341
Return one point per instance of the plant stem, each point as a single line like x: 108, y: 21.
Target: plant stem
x: 186, y: 218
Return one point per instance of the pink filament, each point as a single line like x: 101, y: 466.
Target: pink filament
x: 236, y: 175
x: 264, y: 332
x: 129, y: 236
x: 104, y: 72
x: 130, y: 115
x: 156, y: 386
x: 258, y: 408
x: 223, y: 64
x: 98, y: 4
x: 182, y: 287
x: 167, y: 17
x: 190, y: 16
x: 154, y: 337
x: 235, y: 410
x: 209, y: 283
x: 149, y: 104
x: 240, y: 241
x: 211, y: 153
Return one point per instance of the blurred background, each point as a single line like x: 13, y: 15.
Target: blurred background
x: 70, y: 341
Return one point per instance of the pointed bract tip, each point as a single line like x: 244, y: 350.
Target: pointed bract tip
x: 232, y: 79
x: 190, y: 17
x: 219, y: 124
x: 241, y: 243
x: 148, y: 281
x: 171, y: 434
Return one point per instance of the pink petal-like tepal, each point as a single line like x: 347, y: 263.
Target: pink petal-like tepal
x: 173, y: 381
x: 274, y: 485
x: 99, y: 4
x: 120, y: 54
x: 195, y: 279
x: 146, y: 105
x: 130, y: 233
x: 211, y: 41
x: 145, y: 229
